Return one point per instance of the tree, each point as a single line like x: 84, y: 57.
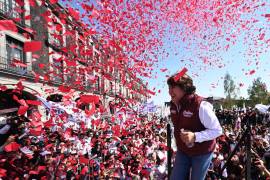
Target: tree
x: 229, y: 86
x: 229, y: 89
x: 258, y: 92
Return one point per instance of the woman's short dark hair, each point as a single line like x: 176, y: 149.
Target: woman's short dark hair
x: 185, y: 83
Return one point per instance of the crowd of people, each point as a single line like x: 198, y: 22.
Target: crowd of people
x: 105, y: 148
x: 234, y: 123
x: 113, y: 147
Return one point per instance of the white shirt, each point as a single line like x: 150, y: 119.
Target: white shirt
x: 210, y: 121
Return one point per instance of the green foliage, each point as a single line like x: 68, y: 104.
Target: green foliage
x: 229, y: 86
x: 229, y: 90
x: 258, y: 92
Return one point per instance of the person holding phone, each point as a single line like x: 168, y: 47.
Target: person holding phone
x: 195, y: 129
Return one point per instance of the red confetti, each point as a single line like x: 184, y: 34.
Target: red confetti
x: 84, y: 170
x: 89, y: 99
x: 32, y: 46
x: 163, y: 70
x: 32, y: 102
x: 41, y: 66
x: 8, y: 25
x: 267, y: 15
x: 252, y: 72
x: 19, y: 63
x: 53, y: 1
x: 74, y: 13
x: 19, y: 86
x: 64, y: 89
x: 180, y: 74
x: 22, y: 110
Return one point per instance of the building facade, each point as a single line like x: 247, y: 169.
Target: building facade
x: 70, y: 56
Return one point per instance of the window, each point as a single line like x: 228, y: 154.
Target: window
x: 127, y: 78
x: 111, y: 87
x: 97, y: 84
x: 58, y: 69
x: 97, y: 58
x: 81, y: 75
x: 80, y: 48
x: 56, y: 33
x: 84, y: 79
x: 14, y: 50
x: 120, y: 76
x: 120, y: 89
x: 88, y: 53
x: 10, y: 8
x: 70, y: 76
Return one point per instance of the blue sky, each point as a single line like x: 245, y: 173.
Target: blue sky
x: 233, y: 58
x: 213, y: 75
x: 237, y: 65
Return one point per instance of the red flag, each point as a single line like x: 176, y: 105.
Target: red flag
x: 35, y: 132
x: 32, y: 46
x: 180, y: 74
x: 13, y: 146
x: 83, y: 160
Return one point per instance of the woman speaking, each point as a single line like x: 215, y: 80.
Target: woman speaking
x: 195, y: 129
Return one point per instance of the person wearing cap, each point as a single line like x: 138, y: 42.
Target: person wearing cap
x: 195, y: 129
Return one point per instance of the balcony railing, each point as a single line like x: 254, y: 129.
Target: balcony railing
x: 7, y: 67
x: 57, y: 79
x: 12, y: 12
x: 54, y: 41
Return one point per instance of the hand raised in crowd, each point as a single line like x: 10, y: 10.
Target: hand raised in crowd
x: 260, y: 164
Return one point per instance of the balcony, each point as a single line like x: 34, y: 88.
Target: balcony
x: 57, y: 80
x: 54, y: 42
x: 11, y: 11
x: 7, y: 67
